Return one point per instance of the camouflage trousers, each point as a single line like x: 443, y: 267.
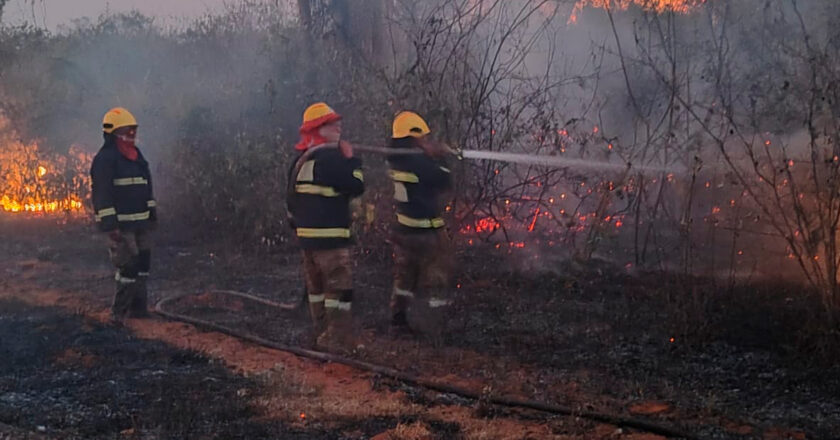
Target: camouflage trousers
x: 423, y: 265
x: 329, y: 286
x: 131, y: 255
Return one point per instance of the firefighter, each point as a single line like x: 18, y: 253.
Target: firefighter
x: 126, y: 210
x: 323, y: 180
x: 422, y: 249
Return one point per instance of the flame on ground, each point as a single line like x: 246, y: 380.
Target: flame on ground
x: 658, y: 6
x: 35, y: 181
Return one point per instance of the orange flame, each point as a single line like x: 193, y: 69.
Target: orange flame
x: 34, y: 181
x: 658, y: 6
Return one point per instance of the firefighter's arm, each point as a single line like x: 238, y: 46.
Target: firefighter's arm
x: 152, y: 203
x: 102, y: 192
x: 290, y: 192
x: 343, y: 174
x: 433, y: 172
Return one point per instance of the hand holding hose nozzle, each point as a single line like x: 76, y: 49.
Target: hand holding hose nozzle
x: 434, y: 149
x: 457, y: 152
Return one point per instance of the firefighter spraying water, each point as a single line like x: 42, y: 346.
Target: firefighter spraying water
x: 323, y: 180
x: 422, y: 250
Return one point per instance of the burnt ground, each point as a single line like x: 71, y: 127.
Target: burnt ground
x: 594, y: 338
x: 65, y: 376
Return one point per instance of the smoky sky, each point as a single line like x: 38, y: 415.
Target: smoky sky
x: 54, y: 13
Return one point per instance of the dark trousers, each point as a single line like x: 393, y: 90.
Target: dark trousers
x: 131, y: 255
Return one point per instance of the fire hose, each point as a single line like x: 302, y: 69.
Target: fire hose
x: 410, y: 379
x: 520, y: 158
x: 527, y: 159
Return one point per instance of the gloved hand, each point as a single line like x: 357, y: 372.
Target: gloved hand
x: 346, y: 149
x: 434, y: 149
x: 115, y: 235
x: 356, y: 209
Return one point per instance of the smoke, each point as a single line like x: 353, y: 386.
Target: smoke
x: 707, y: 90
x: 693, y: 91
x: 58, y: 86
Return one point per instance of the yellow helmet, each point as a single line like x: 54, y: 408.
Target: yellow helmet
x: 409, y: 124
x: 317, y: 111
x: 116, y: 118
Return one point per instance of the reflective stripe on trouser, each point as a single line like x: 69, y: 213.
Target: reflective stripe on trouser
x: 327, y: 273
x: 127, y: 287
x: 339, y: 329
x: 139, y: 303
x: 436, y: 303
x: 340, y: 300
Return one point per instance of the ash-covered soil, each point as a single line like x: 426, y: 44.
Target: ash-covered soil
x: 62, y: 376
x: 594, y: 337
x: 579, y: 350
x: 68, y: 377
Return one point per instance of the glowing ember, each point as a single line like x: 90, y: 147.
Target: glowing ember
x: 534, y: 221
x: 486, y: 224
x: 34, y: 181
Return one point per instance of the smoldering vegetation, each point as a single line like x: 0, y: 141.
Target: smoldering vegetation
x: 736, y: 101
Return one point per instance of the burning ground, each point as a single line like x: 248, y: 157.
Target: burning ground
x: 594, y: 338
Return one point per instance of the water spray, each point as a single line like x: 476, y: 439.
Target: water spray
x: 530, y: 159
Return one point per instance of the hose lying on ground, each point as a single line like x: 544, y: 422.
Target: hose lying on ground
x: 409, y: 378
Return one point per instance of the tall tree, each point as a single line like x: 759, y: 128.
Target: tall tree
x: 357, y: 23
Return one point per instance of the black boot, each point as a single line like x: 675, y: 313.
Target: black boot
x: 399, y: 324
x: 140, y: 302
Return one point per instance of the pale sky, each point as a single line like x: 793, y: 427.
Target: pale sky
x: 52, y: 13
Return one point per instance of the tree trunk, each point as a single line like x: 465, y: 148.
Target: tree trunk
x: 304, y: 12
x: 359, y: 24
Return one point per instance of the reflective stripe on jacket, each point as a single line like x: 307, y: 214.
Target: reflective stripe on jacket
x: 121, y: 190
x: 319, y: 197
x: 418, y: 182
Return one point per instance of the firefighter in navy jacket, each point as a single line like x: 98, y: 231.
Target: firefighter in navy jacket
x: 422, y: 250
x: 323, y: 180
x: 125, y: 209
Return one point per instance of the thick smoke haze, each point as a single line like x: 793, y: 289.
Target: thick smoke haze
x: 703, y: 92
